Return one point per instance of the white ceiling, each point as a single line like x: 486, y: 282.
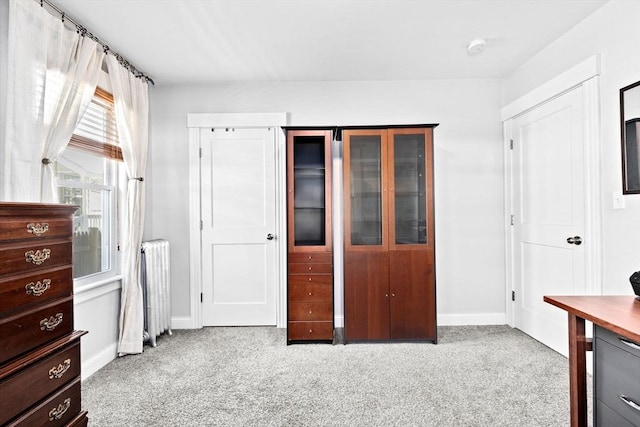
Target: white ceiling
x: 213, y: 41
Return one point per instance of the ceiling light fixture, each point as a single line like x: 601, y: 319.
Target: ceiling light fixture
x: 476, y: 46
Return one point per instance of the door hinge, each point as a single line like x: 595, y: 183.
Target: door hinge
x: 511, y: 220
x: 200, y: 152
x: 513, y: 295
x: 511, y: 144
x: 201, y: 225
x: 201, y: 297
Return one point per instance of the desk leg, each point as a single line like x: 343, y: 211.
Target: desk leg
x: 577, y: 371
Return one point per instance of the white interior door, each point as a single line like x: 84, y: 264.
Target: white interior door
x: 238, y: 216
x: 549, y: 214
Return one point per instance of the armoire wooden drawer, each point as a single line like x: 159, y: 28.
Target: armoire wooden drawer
x: 310, y: 268
x: 310, y: 330
x: 17, y: 292
x: 310, y: 292
x: 34, y: 228
x: 26, y: 330
x: 38, y: 380
x: 616, y: 380
x: 307, y: 311
x: 304, y: 279
x: 311, y: 258
x: 35, y: 255
x: 57, y: 410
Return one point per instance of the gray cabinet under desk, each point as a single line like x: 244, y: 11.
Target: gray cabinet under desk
x: 616, y: 379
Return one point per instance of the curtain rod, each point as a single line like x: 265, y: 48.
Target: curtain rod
x: 85, y: 33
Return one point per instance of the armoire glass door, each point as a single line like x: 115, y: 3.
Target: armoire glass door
x: 309, y: 192
x: 409, y: 188
x: 365, y: 154
x: 309, y: 201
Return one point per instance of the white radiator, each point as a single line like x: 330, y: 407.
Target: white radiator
x: 155, y: 289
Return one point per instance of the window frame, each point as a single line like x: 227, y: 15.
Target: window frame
x: 112, y: 156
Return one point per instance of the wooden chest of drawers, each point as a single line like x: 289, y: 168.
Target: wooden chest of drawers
x: 39, y: 350
x: 310, y: 296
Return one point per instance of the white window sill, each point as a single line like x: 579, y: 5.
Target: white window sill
x: 86, y: 284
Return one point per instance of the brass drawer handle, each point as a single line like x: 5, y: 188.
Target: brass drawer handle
x: 59, y: 411
x: 630, y: 402
x: 51, y: 323
x: 37, y: 229
x: 38, y: 288
x: 37, y: 257
x: 630, y: 344
x: 58, y: 371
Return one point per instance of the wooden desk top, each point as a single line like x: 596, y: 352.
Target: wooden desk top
x: 619, y: 314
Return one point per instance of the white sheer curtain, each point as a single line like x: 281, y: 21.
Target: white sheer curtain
x: 131, y: 100
x: 52, y: 75
x: 78, y: 77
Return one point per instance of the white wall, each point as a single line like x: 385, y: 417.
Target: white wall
x: 468, y: 156
x: 97, y: 310
x: 613, y: 31
x: 4, y: 63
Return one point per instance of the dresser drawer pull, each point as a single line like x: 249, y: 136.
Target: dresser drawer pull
x: 630, y: 343
x: 37, y: 229
x: 57, y: 413
x: 38, y: 288
x: 58, y: 371
x: 630, y: 402
x: 51, y: 323
x: 37, y: 257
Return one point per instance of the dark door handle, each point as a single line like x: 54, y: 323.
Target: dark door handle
x: 575, y: 240
x: 270, y: 236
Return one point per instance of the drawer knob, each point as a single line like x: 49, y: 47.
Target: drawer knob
x: 38, y: 288
x: 37, y: 257
x: 59, y: 411
x: 309, y: 311
x: 51, y: 323
x: 310, y: 268
x: 310, y: 293
x: 630, y: 402
x: 310, y: 279
x: 58, y: 371
x: 310, y: 257
x: 37, y: 229
x: 310, y: 331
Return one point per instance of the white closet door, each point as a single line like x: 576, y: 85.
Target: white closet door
x: 549, y: 214
x: 238, y: 214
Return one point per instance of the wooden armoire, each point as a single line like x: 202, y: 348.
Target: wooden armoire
x: 389, y: 271
x: 310, y: 250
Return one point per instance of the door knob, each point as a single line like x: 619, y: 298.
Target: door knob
x: 576, y: 240
x: 270, y: 236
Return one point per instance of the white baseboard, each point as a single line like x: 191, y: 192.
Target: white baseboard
x: 99, y: 361
x: 472, y: 319
x: 183, y: 323
x: 443, y: 320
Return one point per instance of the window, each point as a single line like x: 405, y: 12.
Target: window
x: 86, y: 175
